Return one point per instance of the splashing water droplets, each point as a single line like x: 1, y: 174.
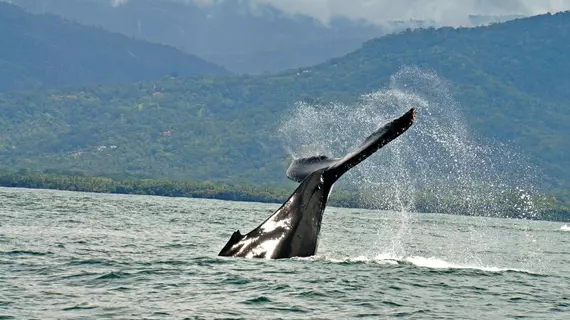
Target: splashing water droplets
x: 438, y: 165
x: 435, y: 161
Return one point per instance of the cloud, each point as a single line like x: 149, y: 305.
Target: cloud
x: 116, y: 3
x: 442, y: 12
x: 446, y: 12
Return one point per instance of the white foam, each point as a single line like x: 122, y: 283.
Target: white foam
x: 436, y: 263
x: 423, y: 262
x: 362, y: 259
x: 565, y: 228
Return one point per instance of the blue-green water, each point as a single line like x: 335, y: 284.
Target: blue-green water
x: 67, y: 255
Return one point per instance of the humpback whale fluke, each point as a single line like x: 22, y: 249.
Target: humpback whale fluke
x: 293, y: 230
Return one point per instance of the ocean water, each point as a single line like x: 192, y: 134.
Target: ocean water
x: 66, y: 255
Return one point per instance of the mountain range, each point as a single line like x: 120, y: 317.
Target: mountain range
x: 244, y: 36
x: 45, y: 51
x: 510, y: 80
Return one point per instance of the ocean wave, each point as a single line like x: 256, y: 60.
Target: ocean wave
x: 565, y: 228
x: 26, y: 252
x: 417, y: 261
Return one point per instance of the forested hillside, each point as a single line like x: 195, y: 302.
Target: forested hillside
x: 43, y: 51
x: 511, y: 79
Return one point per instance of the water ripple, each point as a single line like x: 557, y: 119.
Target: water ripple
x: 57, y: 263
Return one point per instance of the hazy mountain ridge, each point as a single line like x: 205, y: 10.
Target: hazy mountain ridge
x: 228, y: 33
x: 245, y: 36
x: 42, y: 51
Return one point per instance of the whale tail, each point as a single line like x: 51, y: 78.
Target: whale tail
x: 299, y: 169
x: 234, y: 239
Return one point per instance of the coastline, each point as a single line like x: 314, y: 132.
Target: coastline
x: 548, y: 210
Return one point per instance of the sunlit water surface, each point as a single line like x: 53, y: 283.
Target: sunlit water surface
x: 66, y: 255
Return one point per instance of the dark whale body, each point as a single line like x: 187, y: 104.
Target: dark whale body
x: 293, y: 230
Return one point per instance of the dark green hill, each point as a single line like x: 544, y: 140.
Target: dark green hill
x: 39, y: 51
x: 511, y: 80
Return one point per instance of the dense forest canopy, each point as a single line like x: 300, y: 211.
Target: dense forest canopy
x: 43, y: 51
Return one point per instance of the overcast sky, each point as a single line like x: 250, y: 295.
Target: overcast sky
x: 445, y: 12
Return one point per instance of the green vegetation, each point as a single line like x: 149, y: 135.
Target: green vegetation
x: 547, y: 209
x: 224, y: 129
x: 42, y: 51
x: 511, y: 80
x: 79, y: 182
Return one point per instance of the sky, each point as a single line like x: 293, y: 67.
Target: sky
x: 442, y: 12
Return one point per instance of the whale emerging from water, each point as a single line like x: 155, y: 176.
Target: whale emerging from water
x: 293, y: 230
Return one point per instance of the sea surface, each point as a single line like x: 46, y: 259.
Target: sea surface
x: 67, y: 255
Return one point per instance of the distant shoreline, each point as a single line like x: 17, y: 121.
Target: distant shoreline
x: 208, y: 190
